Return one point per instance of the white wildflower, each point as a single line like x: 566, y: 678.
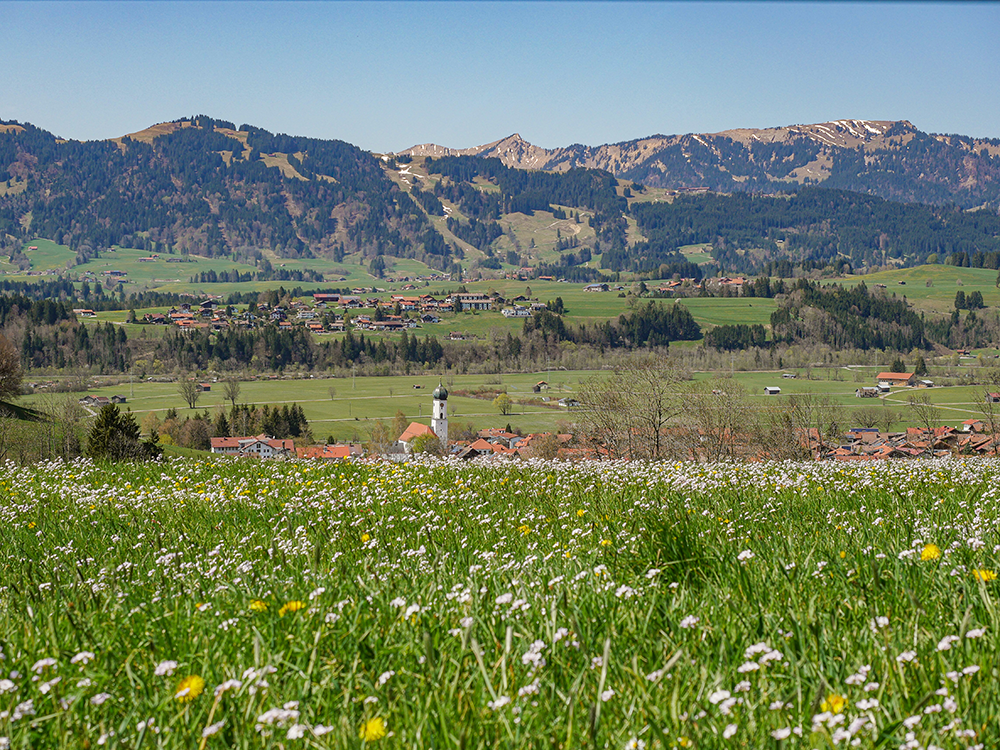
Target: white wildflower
x: 41, y: 664
x: 499, y: 703
x: 82, y: 658
x: 945, y: 643
x: 212, y: 729
x: 165, y: 668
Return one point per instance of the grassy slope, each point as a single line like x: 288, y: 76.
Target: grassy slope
x: 945, y: 282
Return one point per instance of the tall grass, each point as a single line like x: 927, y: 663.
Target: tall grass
x: 521, y: 605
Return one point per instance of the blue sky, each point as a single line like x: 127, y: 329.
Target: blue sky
x: 385, y: 76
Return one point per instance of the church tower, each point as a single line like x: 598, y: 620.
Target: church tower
x: 439, y: 416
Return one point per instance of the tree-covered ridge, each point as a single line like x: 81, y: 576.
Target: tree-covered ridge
x: 527, y: 191
x: 209, y: 189
x: 847, y: 318
x: 814, y: 224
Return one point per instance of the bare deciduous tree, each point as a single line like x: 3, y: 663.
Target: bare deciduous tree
x: 866, y: 416
x: 190, y: 391
x: 231, y: 390
x: 628, y: 413
x: 717, y: 415
x: 887, y: 418
x: 923, y: 411
x: 546, y: 446
x: 379, y: 439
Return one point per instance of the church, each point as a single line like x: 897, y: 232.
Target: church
x: 439, y: 423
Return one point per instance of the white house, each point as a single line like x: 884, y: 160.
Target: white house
x: 259, y: 446
x: 516, y: 312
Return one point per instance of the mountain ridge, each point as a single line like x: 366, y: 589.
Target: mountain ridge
x: 762, y: 159
x: 203, y: 186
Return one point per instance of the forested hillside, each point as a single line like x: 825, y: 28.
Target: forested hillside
x: 814, y: 226
x: 202, y: 186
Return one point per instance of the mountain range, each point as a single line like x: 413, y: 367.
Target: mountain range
x: 208, y: 187
x: 891, y: 159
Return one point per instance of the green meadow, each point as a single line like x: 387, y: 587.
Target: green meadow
x: 945, y: 281
x: 356, y: 403
x: 246, y: 604
x: 346, y: 408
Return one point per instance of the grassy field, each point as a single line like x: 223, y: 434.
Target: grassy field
x: 248, y: 604
x: 357, y: 403
x: 945, y: 281
x: 160, y: 275
x: 49, y: 256
x: 699, y: 254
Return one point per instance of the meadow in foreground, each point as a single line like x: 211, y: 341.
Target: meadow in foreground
x: 199, y: 604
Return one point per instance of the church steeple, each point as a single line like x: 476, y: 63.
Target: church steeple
x: 439, y: 415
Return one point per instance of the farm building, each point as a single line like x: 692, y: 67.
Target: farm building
x: 771, y: 390
x: 895, y: 378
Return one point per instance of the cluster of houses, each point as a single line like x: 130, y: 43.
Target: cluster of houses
x: 489, y: 442
x: 861, y: 443
x: 96, y: 402
x: 329, y: 311
x: 884, y: 383
x: 493, y: 441
x: 725, y: 285
x: 256, y: 446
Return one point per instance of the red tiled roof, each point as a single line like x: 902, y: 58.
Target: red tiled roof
x: 414, y: 429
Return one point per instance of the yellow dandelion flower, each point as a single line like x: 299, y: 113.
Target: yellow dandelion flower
x: 684, y: 741
x: 834, y: 703
x: 524, y: 529
x: 373, y: 729
x: 606, y: 542
x: 189, y: 688
x: 930, y: 552
x: 365, y: 537
x: 843, y: 554
x: 580, y: 513
x: 293, y: 606
x: 258, y: 605
x: 984, y: 575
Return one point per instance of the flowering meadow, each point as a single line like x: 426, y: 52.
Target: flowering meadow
x: 198, y: 604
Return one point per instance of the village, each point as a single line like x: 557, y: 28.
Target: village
x: 973, y: 436
x: 330, y: 313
